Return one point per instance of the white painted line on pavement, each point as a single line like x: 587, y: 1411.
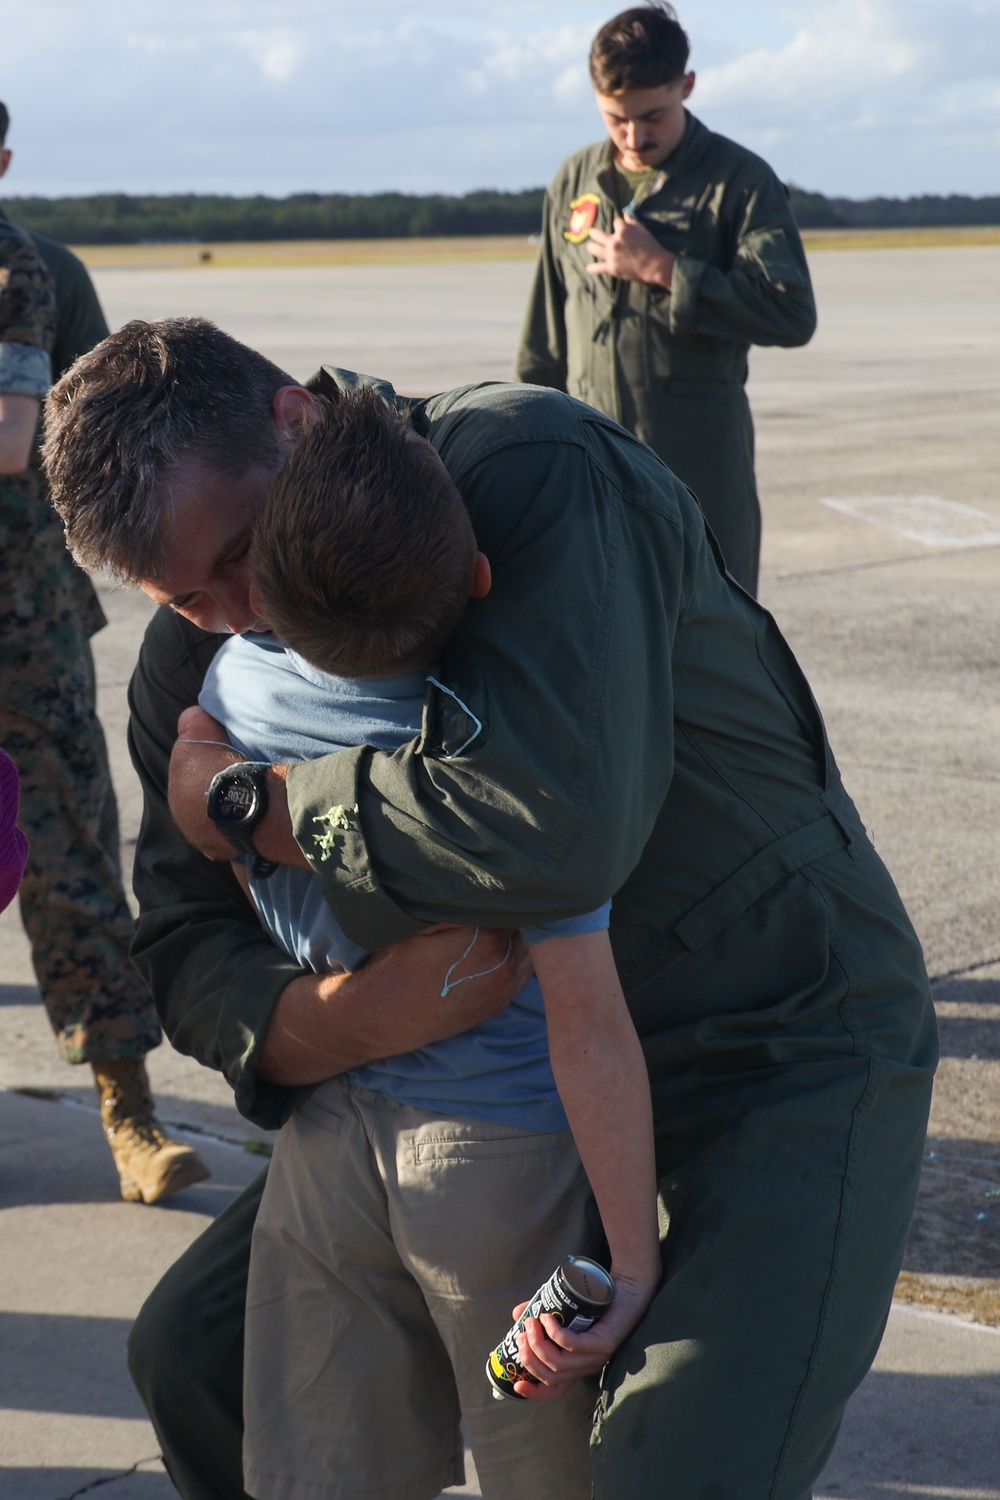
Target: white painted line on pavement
x: 923, y: 518
x: 898, y: 1487
x: 951, y: 1319
x: 192, y: 1133
x: 907, y: 1310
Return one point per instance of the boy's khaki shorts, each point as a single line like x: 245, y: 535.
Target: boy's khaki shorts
x: 390, y: 1247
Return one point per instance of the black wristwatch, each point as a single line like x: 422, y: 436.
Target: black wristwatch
x: 237, y: 800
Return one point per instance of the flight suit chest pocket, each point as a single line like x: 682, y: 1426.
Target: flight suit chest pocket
x: 672, y: 227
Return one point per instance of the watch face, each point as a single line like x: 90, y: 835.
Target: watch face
x: 237, y: 799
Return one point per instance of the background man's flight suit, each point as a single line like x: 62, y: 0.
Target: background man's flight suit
x: 72, y: 901
x: 645, y: 731
x: 671, y: 366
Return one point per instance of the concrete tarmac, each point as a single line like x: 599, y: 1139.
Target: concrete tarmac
x: 878, y: 451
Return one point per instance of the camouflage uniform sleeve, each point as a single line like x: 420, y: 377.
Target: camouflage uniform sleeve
x: 765, y: 296
x: 27, y: 318
x: 80, y: 319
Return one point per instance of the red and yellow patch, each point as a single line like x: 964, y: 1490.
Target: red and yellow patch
x: 582, y: 213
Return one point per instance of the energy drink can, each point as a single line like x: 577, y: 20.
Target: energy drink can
x: 577, y: 1293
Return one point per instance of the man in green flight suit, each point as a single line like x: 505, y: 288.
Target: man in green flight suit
x: 72, y: 900
x: 666, y: 252
x: 616, y: 717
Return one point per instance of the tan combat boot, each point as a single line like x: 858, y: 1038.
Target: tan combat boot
x: 149, y: 1165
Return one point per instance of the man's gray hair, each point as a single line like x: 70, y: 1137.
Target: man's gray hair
x: 123, y: 416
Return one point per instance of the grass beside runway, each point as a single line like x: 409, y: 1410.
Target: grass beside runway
x: 408, y: 252
x: 456, y: 250
x: 899, y: 239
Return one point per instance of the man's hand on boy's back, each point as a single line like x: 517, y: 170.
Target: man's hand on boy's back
x: 325, y: 1024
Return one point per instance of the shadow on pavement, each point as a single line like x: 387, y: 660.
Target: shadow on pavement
x: 968, y: 991
x: 955, y: 1235
x: 96, y: 1185
x: 956, y: 1227
x: 19, y: 994
x: 970, y: 1037
x: 915, y: 1435
x: 973, y: 1037
x: 53, y: 1152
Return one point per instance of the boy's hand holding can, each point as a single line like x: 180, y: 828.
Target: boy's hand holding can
x: 554, y: 1357
x: 576, y: 1295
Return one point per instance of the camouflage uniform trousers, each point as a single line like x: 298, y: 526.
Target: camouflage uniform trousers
x: 72, y: 902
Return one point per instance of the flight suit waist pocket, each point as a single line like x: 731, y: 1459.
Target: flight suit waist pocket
x: 757, y: 876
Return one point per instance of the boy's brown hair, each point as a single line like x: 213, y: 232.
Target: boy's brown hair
x: 641, y: 48
x: 363, y: 555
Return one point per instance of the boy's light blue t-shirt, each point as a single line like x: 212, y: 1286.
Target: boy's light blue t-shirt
x: 277, y: 708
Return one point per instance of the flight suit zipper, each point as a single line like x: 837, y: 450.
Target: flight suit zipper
x: 607, y: 330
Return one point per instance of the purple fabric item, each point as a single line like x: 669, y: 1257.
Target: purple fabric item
x: 13, y: 844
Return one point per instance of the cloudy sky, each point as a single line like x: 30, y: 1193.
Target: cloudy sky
x: 850, y: 97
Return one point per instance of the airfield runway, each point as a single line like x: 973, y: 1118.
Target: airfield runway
x: 878, y: 462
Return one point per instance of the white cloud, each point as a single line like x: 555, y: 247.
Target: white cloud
x: 870, y: 96
x: 848, y: 50
x: 572, y: 85
x: 851, y: 96
x: 547, y: 65
x: 276, y: 53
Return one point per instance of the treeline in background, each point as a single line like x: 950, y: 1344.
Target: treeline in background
x: 123, y: 219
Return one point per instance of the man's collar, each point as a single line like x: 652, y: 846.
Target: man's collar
x: 690, y: 147
x: 331, y: 381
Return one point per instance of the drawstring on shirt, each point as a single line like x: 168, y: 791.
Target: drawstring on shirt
x: 449, y: 985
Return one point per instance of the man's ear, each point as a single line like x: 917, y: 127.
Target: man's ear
x: 294, y: 412
x: 482, y: 577
x: 687, y: 84
x: 5, y: 156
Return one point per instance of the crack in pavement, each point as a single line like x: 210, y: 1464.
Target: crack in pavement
x: 95, y: 1484
x: 985, y: 963
x: 880, y: 562
x: 900, y: 768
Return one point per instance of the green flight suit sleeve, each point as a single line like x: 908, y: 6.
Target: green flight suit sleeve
x: 566, y: 664
x: 541, y: 355
x: 214, y: 974
x: 765, y: 296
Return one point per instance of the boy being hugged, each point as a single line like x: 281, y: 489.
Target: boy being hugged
x: 411, y: 1201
